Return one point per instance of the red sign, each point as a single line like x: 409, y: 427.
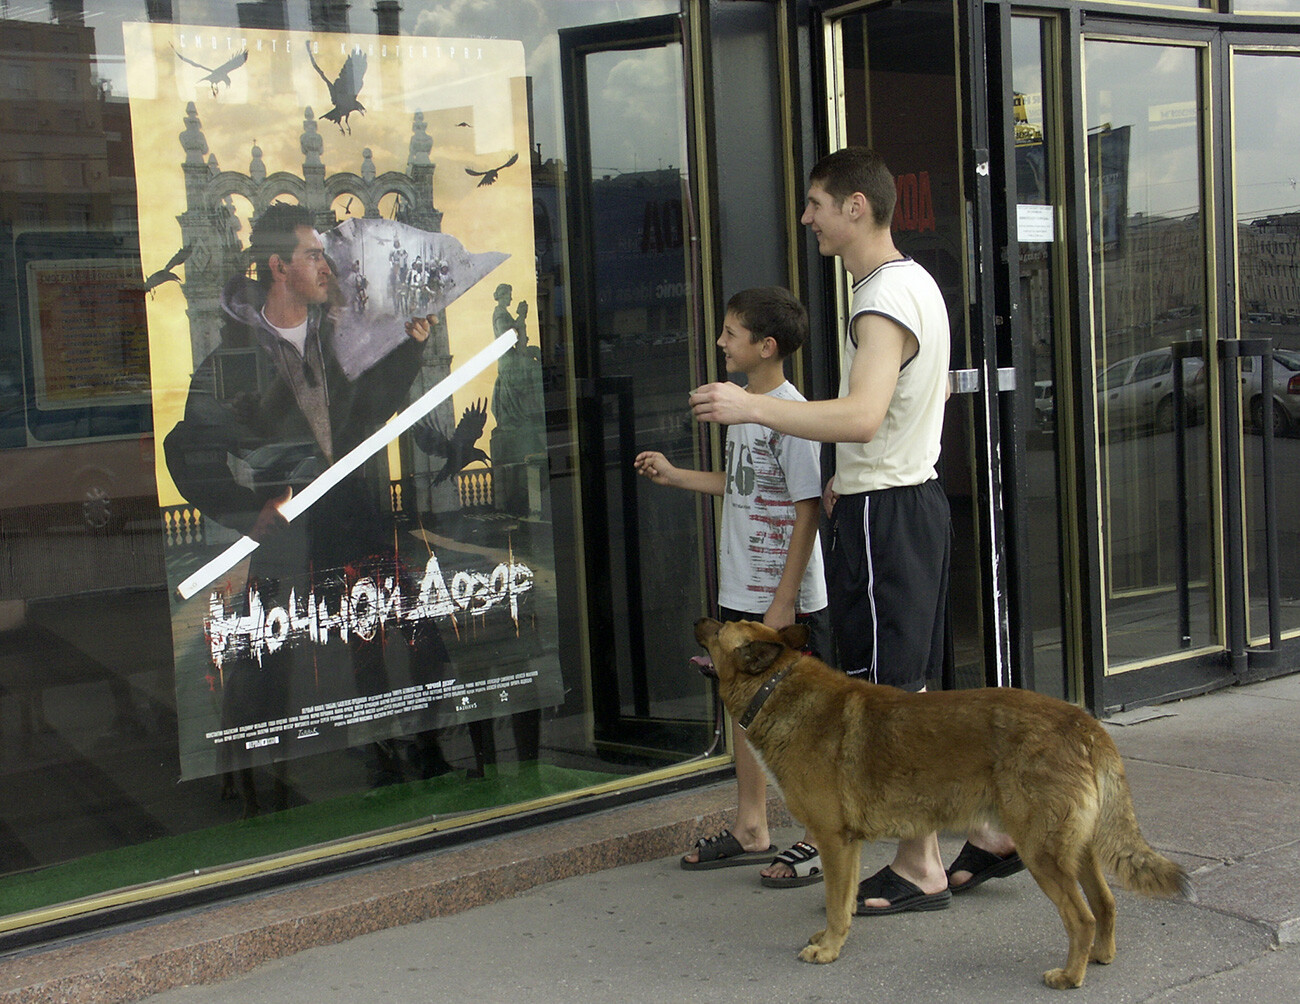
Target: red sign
x: 915, y: 207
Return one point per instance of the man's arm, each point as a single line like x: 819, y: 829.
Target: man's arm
x: 780, y: 613
x: 883, y: 347
x: 382, y: 390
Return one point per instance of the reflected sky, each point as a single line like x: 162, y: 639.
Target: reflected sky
x: 639, y: 88
x: 1266, y: 93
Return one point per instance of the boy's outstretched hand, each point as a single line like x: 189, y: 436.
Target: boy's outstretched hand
x: 656, y: 467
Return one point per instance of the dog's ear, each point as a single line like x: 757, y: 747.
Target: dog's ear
x: 757, y: 656
x: 706, y: 629
x: 796, y: 636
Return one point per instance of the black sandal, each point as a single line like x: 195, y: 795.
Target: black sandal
x: 723, y: 850
x: 982, y: 865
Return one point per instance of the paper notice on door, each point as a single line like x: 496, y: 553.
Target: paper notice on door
x: 1035, y: 224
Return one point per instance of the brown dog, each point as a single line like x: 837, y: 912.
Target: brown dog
x: 856, y: 761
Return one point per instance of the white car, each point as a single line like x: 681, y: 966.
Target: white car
x: 1045, y: 405
x: 1138, y: 392
x: 1286, y: 391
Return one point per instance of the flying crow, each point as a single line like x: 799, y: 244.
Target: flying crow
x: 458, y: 449
x: 221, y: 75
x: 166, y: 274
x: 344, y: 89
x: 490, y: 177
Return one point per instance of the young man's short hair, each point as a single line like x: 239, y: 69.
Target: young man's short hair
x: 857, y: 169
x: 772, y: 312
x: 275, y: 232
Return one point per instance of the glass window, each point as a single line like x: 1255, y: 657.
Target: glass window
x: 232, y: 585
x: 1267, y: 6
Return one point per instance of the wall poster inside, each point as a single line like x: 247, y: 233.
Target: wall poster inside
x: 335, y: 230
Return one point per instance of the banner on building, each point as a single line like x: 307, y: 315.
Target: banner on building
x: 337, y: 230
x: 1108, y: 156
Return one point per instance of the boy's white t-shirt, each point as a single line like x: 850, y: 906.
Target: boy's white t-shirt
x: 767, y: 472
x: 906, y: 447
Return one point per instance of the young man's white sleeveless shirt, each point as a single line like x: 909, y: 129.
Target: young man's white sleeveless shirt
x: 906, y: 447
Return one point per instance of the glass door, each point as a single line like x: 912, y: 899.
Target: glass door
x: 645, y: 553
x: 1040, y: 331
x: 1266, y: 210
x: 895, y: 81
x: 1146, y: 142
x: 1141, y: 319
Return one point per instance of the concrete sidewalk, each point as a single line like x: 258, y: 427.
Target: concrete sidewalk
x: 1216, y: 781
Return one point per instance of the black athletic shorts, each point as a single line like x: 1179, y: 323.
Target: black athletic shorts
x: 887, y: 579
x: 818, y: 623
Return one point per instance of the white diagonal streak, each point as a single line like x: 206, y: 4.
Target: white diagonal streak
x: 355, y: 457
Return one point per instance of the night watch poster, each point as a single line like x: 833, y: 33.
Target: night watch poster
x: 337, y: 247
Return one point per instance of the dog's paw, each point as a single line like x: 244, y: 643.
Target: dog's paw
x: 819, y: 953
x: 1059, y: 979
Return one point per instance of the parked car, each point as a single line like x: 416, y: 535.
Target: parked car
x: 1137, y: 393
x: 1286, y: 391
x: 1045, y: 405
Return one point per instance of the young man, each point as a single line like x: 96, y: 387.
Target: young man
x: 269, y: 410
x: 769, y: 560
x: 298, y: 404
x: 888, y: 574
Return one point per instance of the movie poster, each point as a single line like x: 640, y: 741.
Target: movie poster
x: 336, y: 233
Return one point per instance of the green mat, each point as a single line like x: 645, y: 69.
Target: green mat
x: 292, y: 829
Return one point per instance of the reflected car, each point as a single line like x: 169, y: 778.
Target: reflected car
x: 97, y: 486
x: 1045, y: 405
x: 1286, y: 392
x: 1137, y: 393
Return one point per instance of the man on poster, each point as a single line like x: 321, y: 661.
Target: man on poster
x: 268, y: 411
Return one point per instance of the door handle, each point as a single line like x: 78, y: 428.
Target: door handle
x: 970, y: 382
x: 964, y: 381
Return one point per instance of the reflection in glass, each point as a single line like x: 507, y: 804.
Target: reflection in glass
x: 1149, y: 309
x: 1267, y: 6
x: 89, y: 755
x: 1035, y: 187
x: 639, y: 355
x: 1266, y: 164
x: 899, y: 71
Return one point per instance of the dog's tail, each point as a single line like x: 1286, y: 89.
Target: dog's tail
x: 1119, y: 844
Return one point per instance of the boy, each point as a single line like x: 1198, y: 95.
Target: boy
x: 769, y: 560
x: 890, y: 521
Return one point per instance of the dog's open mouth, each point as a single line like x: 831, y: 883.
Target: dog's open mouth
x: 705, y: 666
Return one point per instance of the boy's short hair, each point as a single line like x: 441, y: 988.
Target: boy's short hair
x: 857, y: 169
x: 772, y: 312
x: 275, y: 232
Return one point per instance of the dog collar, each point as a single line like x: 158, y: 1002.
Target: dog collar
x: 764, y: 692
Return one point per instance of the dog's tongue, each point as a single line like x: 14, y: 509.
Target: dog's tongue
x: 702, y: 660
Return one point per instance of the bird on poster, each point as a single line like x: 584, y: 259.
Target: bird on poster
x: 490, y: 176
x: 220, y: 75
x: 167, y: 273
x: 343, y: 89
x: 458, y: 449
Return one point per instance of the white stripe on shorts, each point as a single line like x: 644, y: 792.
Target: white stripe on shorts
x: 871, y: 588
